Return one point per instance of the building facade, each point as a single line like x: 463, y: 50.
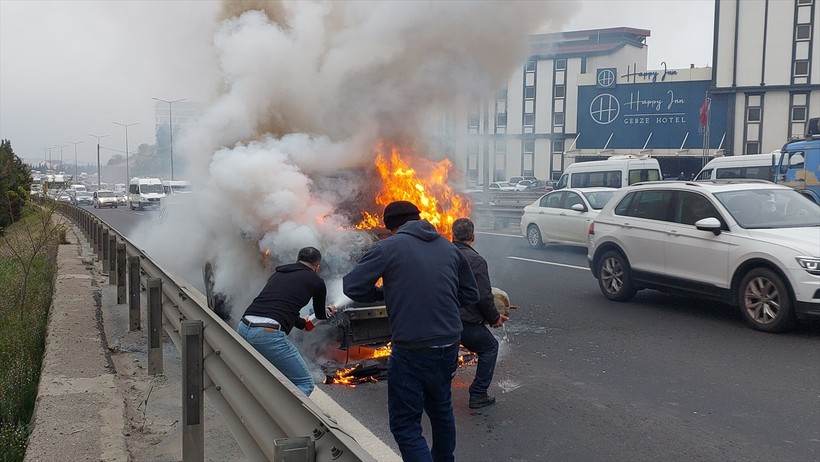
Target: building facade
x: 587, y: 95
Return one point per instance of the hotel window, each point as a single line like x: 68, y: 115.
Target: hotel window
x: 529, y: 92
x: 798, y: 115
x: 804, y: 2
x: 557, y: 146
x: 528, y: 158
x: 801, y: 68
x: 558, y: 118
x: 753, y: 124
x: 500, y: 169
x: 583, y: 65
x: 560, y: 90
x: 501, y: 111
x: 528, y: 118
x: 472, y: 163
x: 803, y: 32
x: 560, y: 64
x: 472, y: 121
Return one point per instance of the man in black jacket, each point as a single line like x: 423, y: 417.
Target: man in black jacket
x: 275, y: 311
x: 425, y: 279
x: 475, y: 336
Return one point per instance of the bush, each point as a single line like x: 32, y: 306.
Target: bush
x: 27, y: 273
x: 15, y: 183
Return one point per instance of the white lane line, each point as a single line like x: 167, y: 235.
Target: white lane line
x: 550, y: 263
x: 499, y: 234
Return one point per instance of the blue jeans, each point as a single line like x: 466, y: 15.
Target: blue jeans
x: 419, y: 381
x: 478, y: 339
x: 275, y: 346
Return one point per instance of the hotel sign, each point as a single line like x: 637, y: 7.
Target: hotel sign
x: 662, y: 115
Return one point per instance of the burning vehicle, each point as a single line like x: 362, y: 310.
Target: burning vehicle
x: 356, y: 340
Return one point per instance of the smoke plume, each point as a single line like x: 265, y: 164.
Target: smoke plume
x: 281, y: 155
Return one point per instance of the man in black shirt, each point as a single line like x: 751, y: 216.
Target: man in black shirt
x: 275, y: 311
x: 475, y: 336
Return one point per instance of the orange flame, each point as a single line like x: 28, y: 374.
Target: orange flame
x: 423, y: 183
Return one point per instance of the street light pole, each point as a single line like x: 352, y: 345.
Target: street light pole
x: 61, y: 146
x: 75, y: 143
x: 171, y: 128
x: 127, y: 173
x: 99, y: 182
x: 48, y: 158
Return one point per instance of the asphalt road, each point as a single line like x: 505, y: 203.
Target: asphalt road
x: 581, y: 378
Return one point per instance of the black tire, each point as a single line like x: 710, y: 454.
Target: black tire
x: 615, y: 277
x: 765, y: 302
x: 534, y: 236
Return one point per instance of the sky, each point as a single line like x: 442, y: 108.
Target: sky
x: 71, y: 68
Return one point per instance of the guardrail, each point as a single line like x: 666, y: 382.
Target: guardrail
x: 268, y: 416
x: 502, y: 208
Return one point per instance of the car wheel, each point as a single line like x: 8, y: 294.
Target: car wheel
x: 614, y: 277
x: 534, y: 236
x: 764, y: 301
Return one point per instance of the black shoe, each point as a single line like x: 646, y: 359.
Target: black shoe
x: 479, y: 401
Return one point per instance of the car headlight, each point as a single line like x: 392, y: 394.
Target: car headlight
x: 810, y: 264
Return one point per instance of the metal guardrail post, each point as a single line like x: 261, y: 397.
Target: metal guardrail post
x: 112, y: 259
x: 93, y: 240
x: 154, y: 326
x: 121, y: 254
x: 106, y: 263
x: 134, y: 320
x: 193, y: 408
x: 99, y: 241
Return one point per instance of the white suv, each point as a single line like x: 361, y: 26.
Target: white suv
x: 749, y: 243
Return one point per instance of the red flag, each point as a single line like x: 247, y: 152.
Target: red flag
x: 704, y: 112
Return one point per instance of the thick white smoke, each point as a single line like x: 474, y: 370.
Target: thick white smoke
x: 307, y: 90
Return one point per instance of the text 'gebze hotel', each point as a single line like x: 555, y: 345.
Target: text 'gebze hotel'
x: 587, y: 95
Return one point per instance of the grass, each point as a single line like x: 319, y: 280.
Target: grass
x: 23, y: 328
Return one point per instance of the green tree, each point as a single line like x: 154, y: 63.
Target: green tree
x: 15, y: 183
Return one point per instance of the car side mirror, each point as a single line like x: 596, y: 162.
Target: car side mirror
x: 578, y: 207
x: 708, y: 224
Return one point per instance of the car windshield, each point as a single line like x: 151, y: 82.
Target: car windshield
x: 770, y: 208
x: 105, y: 194
x: 598, y: 199
x: 151, y: 188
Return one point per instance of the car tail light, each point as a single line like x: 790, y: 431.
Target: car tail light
x: 591, y: 231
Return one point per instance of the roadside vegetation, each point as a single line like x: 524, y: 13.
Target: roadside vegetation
x: 29, y: 236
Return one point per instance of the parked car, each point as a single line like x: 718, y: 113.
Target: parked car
x: 749, y: 243
x: 563, y: 216
x: 540, y: 185
x: 105, y: 198
x: 522, y: 185
x: 501, y: 186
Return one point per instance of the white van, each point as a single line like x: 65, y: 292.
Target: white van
x: 759, y: 166
x: 144, y: 192
x: 615, y: 172
x: 174, y: 187
x: 78, y: 188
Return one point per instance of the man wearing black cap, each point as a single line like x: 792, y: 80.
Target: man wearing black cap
x: 426, y: 279
x: 275, y: 311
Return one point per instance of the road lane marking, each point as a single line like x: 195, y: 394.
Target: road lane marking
x: 550, y: 263
x: 499, y: 234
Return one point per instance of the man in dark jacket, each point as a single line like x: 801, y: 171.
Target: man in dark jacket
x: 425, y: 279
x: 475, y: 336
x: 275, y: 311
